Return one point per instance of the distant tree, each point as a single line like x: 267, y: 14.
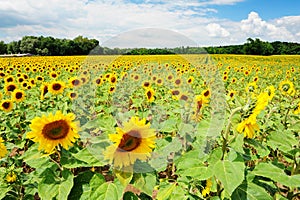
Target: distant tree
x: 29, y: 44
x: 258, y: 47
x: 13, y: 47
x: 3, y: 47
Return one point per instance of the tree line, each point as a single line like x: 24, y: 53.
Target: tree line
x: 80, y: 45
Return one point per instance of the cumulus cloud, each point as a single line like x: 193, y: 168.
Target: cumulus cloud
x: 255, y: 26
x: 215, y: 30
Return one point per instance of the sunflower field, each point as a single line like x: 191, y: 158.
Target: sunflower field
x: 150, y: 127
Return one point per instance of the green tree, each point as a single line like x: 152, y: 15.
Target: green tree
x: 3, y: 47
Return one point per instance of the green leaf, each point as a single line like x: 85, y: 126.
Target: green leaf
x: 124, y: 177
x: 284, y: 141
x: 86, y: 156
x: 169, y: 125
x: 81, y: 185
x: 237, y: 143
x: 179, y: 193
x: 65, y: 185
x: 53, y: 187
x: 250, y: 191
x: 48, y: 187
x: 4, y: 189
x: 145, y: 182
x: 105, y: 191
x: 130, y: 196
x: 276, y: 174
x: 34, y: 158
x: 165, y: 190
x: 198, y: 172
x: 231, y: 174
x: 162, y: 151
x: 189, y: 159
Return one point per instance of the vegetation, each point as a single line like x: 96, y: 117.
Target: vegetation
x: 162, y: 127
x: 83, y: 46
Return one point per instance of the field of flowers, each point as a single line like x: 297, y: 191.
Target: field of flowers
x: 150, y: 127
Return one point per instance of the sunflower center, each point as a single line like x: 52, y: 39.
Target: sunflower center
x: 149, y: 95
x: 19, y: 95
x: 6, y: 105
x: 75, y: 82
x: 286, y: 87
x: 56, y: 86
x: 56, y: 130
x: 130, y: 141
x: 11, y: 88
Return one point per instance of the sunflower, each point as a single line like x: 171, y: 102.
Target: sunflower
x: 207, y: 188
x: 10, y: 87
x: 231, y: 94
x: 112, y: 89
x: 7, y: 105
x: 248, y: 126
x: 135, y: 140
x: 159, y: 81
x: 113, y: 79
x: 56, y: 87
x: 146, y: 84
x: 3, y: 150
x: 150, y: 94
x: 74, y: 82
x: 177, y: 82
x: 18, y: 95
x: 251, y: 87
x: 287, y: 88
x: 53, y: 130
x: 271, y: 92
x: 297, y: 109
x: 9, y: 79
x: 98, y: 81
x: 190, y: 80
x: 1, y: 95
x: 73, y: 95
x: 11, y: 177
x: 44, y: 90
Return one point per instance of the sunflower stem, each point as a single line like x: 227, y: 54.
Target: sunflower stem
x: 227, y: 130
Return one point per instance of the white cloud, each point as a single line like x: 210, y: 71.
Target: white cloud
x: 255, y: 26
x: 215, y: 30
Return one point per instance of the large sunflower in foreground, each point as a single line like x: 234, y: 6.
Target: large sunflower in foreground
x: 134, y: 141
x: 53, y: 130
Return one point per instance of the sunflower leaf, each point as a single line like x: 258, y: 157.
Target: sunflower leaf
x: 231, y: 174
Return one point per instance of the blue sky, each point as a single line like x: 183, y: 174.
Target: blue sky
x: 206, y: 22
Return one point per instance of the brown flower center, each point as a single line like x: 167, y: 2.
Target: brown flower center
x: 11, y: 88
x: 130, y: 141
x: 75, y: 82
x: 19, y: 95
x: 6, y: 105
x: 56, y: 130
x: 149, y: 94
x: 56, y: 86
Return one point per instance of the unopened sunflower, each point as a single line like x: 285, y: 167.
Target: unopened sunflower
x: 135, y: 140
x: 53, y: 130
